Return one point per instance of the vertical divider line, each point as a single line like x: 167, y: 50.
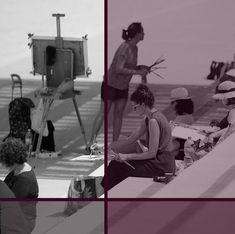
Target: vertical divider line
x: 105, y: 114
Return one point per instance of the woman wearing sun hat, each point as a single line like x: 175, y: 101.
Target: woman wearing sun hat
x: 228, y: 76
x: 226, y: 93
x: 183, y: 105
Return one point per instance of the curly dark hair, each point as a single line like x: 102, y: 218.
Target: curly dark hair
x: 184, y: 106
x: 143, y: 95
x: 13, y: 151
x: 131, y: 31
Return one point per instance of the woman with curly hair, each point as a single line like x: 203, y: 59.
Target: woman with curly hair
x: 155, y: 159
x: 21, y: 178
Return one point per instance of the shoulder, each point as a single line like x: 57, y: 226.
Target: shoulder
x: 153, y: 123
x: 159, y: 116
x: 123, y: 48
x: 27, y: 175
x: 160, y: 119
x: 156, y: 115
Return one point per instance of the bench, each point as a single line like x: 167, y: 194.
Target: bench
x: 135, y: 187
x: 213, y: 176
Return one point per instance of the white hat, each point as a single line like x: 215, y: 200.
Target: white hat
x: 225, y: 90
x: 179, y: 94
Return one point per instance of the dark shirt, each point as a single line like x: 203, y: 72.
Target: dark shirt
x: 23, y: 185
x: 223, y: 123
x: 12, y: 220
x: 5, y: 192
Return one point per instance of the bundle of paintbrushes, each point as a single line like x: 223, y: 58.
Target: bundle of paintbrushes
x: 154, y: 66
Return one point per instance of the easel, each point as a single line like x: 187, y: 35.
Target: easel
x: 48, y: 98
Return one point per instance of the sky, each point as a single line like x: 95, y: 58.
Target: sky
x: 188, y: 33
x: 18, y: 18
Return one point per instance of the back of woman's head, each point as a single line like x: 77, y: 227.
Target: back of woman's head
x: 143, y: 95
x: 131, y: 31
x: 13, y: 151
x: 184, y: 106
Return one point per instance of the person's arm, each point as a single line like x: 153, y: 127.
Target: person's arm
x: 154, y: 136
x: 132, y: 138
x: 217, y: 134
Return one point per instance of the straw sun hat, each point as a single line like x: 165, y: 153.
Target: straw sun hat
x: 180, y: 93
x: 225, y: 90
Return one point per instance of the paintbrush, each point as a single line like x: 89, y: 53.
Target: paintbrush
x: 127, y: 163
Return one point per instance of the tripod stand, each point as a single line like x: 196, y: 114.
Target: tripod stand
x: 59, y: 74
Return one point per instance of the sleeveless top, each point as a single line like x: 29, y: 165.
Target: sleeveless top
x: 165, y: 131
x: 129, y: 54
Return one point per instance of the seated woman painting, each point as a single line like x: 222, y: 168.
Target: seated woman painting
x: 155, y: 159
x: 21, y: 178
x: 226, y: 94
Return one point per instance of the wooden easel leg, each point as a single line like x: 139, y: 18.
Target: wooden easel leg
x: 21, y: 91
x: 12, y: 91
x: 80, y: 120
x: 47, y: 104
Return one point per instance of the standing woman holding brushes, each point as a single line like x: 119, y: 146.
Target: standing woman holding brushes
x: 123, y: 67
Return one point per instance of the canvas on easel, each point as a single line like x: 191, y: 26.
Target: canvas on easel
x: 61, y: 69
x: 77, y: 45
x: 60, y: 60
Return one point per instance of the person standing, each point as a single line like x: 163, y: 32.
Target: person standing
x: 123, y: 67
